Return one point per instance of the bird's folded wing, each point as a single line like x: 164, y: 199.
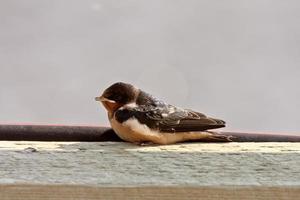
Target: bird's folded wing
x: 170, y: 119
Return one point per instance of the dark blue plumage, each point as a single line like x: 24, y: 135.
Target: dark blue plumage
x: 165, y: 117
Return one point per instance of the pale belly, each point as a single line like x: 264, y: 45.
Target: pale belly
x: 133, y: 131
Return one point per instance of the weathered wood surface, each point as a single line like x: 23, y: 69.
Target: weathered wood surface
x: 75, y: 192
x: 111, y: 163
x: 271, y: 169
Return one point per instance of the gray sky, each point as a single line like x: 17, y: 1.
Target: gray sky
x: 237, y: 60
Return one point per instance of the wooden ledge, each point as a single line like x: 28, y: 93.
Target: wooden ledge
x: 230, y: 170
x: 76, y: 192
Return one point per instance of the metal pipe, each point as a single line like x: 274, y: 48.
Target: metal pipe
x: 56, y: 133
x: 262, y: 137
x: 22, y: 132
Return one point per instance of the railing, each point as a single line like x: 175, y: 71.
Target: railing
x: 16, y: 132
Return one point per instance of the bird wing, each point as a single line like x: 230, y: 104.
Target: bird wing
x: 168, y: 118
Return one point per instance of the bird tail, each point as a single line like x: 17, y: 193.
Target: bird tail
x: 217, y: 137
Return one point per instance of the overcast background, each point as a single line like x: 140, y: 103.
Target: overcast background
x: 236, y: 60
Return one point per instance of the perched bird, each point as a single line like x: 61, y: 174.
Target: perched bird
x: 138, y: 117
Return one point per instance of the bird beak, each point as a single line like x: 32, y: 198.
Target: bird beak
x: 102, y: 99
x: 98, y: 98
x: 110, y: 105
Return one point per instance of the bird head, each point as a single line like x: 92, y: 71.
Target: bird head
x: 117, y: 95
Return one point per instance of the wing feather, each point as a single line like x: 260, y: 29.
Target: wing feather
x: 169, y: 118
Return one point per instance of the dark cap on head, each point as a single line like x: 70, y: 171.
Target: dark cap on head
x: 121, y: 93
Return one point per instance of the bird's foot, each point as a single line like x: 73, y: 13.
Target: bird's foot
x: 144, y: 143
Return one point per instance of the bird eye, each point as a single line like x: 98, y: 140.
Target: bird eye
x: 115, y: 97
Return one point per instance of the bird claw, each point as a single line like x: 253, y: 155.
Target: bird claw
x: 142, y: 144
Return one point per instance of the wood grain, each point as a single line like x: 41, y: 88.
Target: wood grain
x: 76, y: 192
x: 123, y: 164
x: 118, y: 170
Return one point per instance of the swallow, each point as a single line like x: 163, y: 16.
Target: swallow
x: 139, y: 117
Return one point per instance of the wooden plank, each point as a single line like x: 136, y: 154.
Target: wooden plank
x: 111, y: 170
x: 118, y: 163
x: 75, y: 192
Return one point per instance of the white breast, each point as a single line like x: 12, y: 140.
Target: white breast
x: 133, y: 131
